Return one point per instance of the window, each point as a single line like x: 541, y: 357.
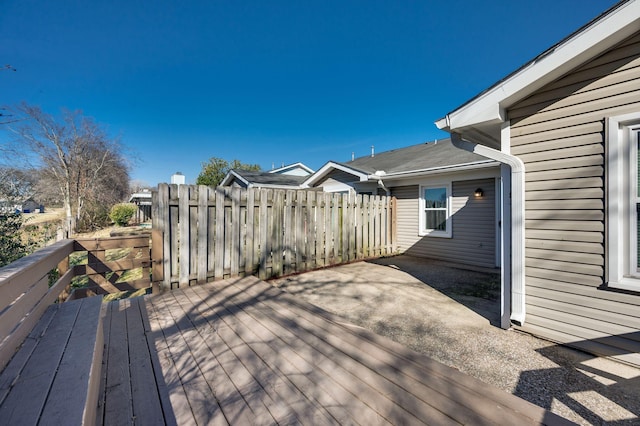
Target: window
x: 435, y: 210
x: 635, y: 202
x: 623, y: 202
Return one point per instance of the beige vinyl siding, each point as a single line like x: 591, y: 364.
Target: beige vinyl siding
x: 473, y: 225
x: 559, y: 135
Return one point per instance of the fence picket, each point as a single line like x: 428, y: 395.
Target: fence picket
x: 289, y: 233
x: 300, y: 244
x: 251, y: 243
x: 219, y: 239
x: 263, y: 237
x: 183, y: 239
x: 277, y: 250
x: 234, y: 253
x: 202, y: 212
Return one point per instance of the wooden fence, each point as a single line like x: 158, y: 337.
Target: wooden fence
x: 203, y: 234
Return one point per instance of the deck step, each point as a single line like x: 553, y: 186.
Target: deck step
x: 54, y: 377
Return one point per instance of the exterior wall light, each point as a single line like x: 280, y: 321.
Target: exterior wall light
x: 479, y: 192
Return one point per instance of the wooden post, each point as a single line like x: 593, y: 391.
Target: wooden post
x: 157, y: 260
x: 160, y: 222
x: 63, y: 267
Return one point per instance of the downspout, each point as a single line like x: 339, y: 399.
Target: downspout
x: 378, y: 175
x: 381, y: 185
x: 517, y: 221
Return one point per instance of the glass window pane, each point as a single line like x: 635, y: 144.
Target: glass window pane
x: 637, y: 237
x: 436, y: 219
x: 638, y: 164
x: 435, y: 198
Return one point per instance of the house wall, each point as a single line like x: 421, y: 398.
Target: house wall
x: 337, y: 181
x: 473, y: 224
x: 559, y: 135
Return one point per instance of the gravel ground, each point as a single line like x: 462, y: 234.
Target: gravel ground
x: 452, y: 315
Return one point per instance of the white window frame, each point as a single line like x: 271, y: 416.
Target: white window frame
x: 622, y: 195
x: 423, y: 231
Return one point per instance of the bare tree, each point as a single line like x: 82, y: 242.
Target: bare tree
x: 16, y: 185
x: 74, y: 154
x: 138, y: 185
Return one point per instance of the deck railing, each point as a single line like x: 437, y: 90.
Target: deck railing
x: 204, y: 234
x: 29, y: 285
x: 25, y: 293
x: 113, y: 264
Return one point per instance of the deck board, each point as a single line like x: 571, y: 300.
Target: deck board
x: 189, y: 354
x: 270, y: 379
x: 117, y: 406
x: 467, y: 406
x: 140, y: 366
x: 39, y: 371
x: 290, y: 383
x: 79, y: 368
x: 175, y: 390
x: 240, y: 351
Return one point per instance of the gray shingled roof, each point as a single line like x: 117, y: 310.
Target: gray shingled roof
x: 437, y: 154
x: 267, y: 178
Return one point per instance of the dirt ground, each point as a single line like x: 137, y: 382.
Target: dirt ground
x: 452, y: 315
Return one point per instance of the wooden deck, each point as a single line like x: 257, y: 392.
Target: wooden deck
x: 243, y: 352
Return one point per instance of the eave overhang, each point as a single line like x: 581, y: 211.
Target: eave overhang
x: 486, y: 112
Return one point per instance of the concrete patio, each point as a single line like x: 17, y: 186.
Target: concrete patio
x: 451, y: 314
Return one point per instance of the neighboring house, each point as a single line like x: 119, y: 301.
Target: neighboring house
x: 446, y: 198
x: 286, y: 177
x: 566, y: 127
x: 31, y: 206
x: 143, y: 201
x: 295, y: 169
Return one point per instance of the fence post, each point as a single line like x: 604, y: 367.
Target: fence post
x: 63, y: 267
x: 394, y: 225
x: 157, y: 260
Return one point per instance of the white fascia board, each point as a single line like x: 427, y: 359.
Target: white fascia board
x: 330, y: 166
x: 438, y: 170
x: 140, y: 195
x: 229, y: 178
x: 610, y: 29
x: 292, y: 166
x: 272, y: 186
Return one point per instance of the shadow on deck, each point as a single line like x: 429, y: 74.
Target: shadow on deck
x: 243, y: 352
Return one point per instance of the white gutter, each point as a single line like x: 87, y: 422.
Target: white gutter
x: 515, y: 244
x: 435, y: 170
x: 273, y: 186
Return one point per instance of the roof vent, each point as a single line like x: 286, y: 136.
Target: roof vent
x: 372, y: 151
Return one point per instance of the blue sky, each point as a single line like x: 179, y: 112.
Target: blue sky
x: 268, y: 82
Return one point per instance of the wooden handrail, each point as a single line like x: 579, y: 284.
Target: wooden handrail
x: 25, y: 290
x: 25, y: 294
